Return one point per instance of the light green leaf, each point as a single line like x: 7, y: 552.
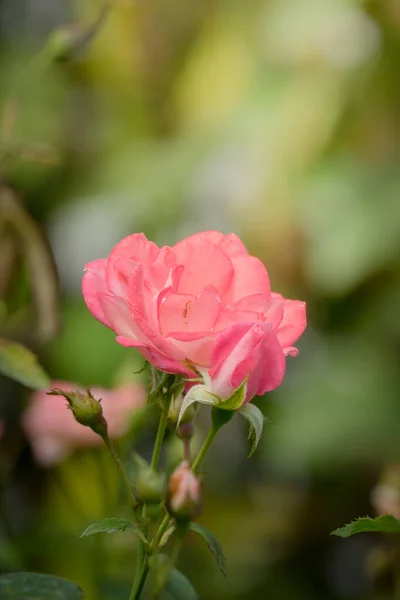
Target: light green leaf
x: 166, y: 536
x: 19, y: 363
x: 37, y: 586
x: 255, y: 419
x: 198, y: 393
x: 213, y: 544
x: 383, y: 524
x: 236, y: 400
x: 111, y: 525
x: 179, y: 586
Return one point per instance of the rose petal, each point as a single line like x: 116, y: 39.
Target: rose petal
x: 247, y: 350
x: 232, y: 346
x: 196, y: 346
x: 230, y: 243
x: 186, y: 313
x: 137, y: 307
x: 230, y: 316
x: 205, y: 264
x: 265, y: 367
x: 134, y: 248
x: 293, y: 322
x: 156, y: 358
x: 93, y: 286
x: 120, y: 318
x: 250, y: 277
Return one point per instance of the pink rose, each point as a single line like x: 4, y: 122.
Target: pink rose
x: 53, y: 432
x: 204, y: 303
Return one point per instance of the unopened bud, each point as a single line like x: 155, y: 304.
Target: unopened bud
x: 86, y: 409
x: 185, y: 431
x: 149, y: 485
x: 184, y: 497
x: 175, y: 409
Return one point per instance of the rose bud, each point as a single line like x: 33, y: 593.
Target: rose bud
x: 148, y: 484
x: 85, y: 408
x: 185, y: 431
x: 184, y: 497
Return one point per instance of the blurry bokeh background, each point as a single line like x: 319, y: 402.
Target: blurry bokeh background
x: 278, y: 120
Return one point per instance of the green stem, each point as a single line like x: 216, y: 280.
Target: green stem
x: 141, y: 575
x: 160, y: 435
x: 141, y: 580
x: 218, y: 418
x: 132, y: 500
x: 160, y: 531
x: 204, y: 449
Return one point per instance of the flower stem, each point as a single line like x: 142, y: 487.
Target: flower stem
x: 218, y: 418
x: 141, y: 580
x: 141, y: 575
x: 160, y: 531
x: 160, y: 434
x: 204, y: 449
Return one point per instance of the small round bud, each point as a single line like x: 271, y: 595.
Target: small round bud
x: 85, y: 408
x: 185, y: 431
x: 148, y: 484
x: 184, y: 495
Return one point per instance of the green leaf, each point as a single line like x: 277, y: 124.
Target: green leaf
x: 19, y: 363
x: 111, y: 525
x: 213, y: 544
x: 256, y: 421
x: 179, y: 586
x: 37, y: 586
x: 384, y: 524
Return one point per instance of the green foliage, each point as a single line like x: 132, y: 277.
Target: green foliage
x: 256, y: 421
x: 111, y: 525
x: 37, y: 586
x: 19, y: 363
x: 382, y: 524
x: 170, y: 579
x: 179, y: 586
x: 165, y: 537
x: 235, y: 401
x: 213, y: 544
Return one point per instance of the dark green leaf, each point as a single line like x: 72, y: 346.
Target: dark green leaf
x: 384, y: 524
x: 37, y: 586
x: 255, y: 419
x: 213, y: 544
x: 19, y: 363
x: 179, y: 586
x: 111, y: 525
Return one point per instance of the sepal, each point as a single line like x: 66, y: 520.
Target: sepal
x: 198, y: 393
x: 255, y: 419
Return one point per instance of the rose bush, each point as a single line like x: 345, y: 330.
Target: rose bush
x: 53, y: 431
x: 204, y: 305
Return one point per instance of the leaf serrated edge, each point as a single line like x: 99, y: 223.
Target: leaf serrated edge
x: 345, y: 530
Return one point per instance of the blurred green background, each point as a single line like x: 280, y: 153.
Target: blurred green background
x: 278, y: 120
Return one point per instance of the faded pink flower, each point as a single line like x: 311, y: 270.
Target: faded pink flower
x: 203, y: 303
x: 53, y: 431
